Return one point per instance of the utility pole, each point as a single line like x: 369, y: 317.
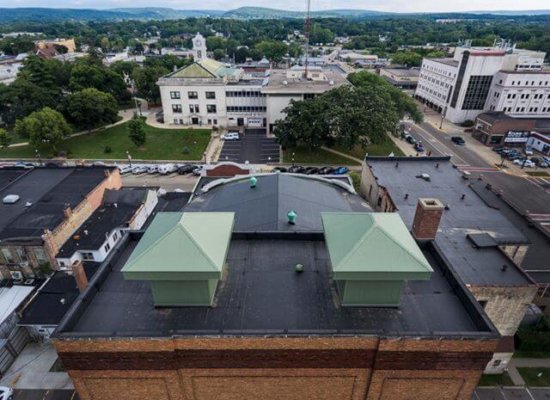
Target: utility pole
x: 443, y: 112
x: 307, y: 36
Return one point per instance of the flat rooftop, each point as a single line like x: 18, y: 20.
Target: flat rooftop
x: 475, y: 214
x: 116, y: 211
x: 446, y: 61
x: 261, y: 294
x: 276, y: 83
x: 404, y: 72
x: 44, y: 194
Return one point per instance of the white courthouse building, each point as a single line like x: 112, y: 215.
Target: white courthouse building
x: 479, y: 79
x: 208, y: 92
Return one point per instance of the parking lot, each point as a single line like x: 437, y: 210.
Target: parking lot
x: 511, y: 394
x: 167, y: 182
x: 253, y: 146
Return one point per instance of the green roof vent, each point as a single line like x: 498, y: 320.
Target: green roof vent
x: 253, y: 181
x: 292, y: 217
x: 182, y: 255
x: 372, y: 255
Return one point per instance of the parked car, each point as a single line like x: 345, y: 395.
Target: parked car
x: 326, y: 171
x: 419, y: 147
x: 6, y: 393
x: 410, y: 139
x: 153, y: 169
x: 311, y: 170
x: 139, y: 169
x: 457, y: 140
x: 198, y: 170
x: 230, y: 136
x: 528, y: 151
x: 524, y: 162
x: 341, y: 171
x: 124, y: 169
x: 166, y: 169
x: 513, y: 155
x: 186, y: 169
x: 296, y: 169
x: 279, y: 169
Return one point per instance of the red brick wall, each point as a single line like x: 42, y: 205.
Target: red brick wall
x: 426, y: 222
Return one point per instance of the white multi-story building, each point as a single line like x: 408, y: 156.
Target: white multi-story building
x: 208, y: 92
x: 476, y: 80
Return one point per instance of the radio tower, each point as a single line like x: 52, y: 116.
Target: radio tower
x: 307, y: 26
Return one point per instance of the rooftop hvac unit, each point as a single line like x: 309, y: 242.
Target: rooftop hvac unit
x: 16, y: 275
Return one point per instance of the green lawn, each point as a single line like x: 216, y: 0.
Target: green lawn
x: 496, y: 380
x: 531, y: 378
x: 538, y: 173
x: 303, y: 155
x: 161, y: 144
x: 384, y: 149
x: 531, y: 354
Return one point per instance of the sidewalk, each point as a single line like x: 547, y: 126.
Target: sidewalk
x: 125, y: 115
x: 527, y: 363
x: 31, y: 369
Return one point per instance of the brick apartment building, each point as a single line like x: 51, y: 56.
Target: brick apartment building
x: 480, y: 244
x: 50, y: 204
x: 237, y: 297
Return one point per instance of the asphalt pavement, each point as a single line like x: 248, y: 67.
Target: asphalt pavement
x: 253, y: 146
x: 23, y: 394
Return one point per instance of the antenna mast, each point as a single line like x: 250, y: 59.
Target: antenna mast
x: 307, y: 36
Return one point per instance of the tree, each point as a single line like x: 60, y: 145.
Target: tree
x: 219, y: 54
x: 403, y: 104
x: 43, y: 127
x: 146, y: 82
x: 90, y: 108
x: 89, y: 75
x: 274, y: 51
x: 408, y: 58
x: 136, y: 131
x: 5, y: 139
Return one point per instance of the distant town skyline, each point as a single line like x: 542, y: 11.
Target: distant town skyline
x: 375, y: 5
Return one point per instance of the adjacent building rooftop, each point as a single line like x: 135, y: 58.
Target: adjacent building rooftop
x: 43, y: 195
x: 467, y: 213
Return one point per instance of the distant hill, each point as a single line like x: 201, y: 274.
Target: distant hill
x: 36, y: 14
x: 267, y: 13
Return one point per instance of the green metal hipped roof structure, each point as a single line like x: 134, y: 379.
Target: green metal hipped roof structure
x: 182, y: 246
x: 373, y: 246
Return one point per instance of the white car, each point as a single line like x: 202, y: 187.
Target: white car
x: 6, y: 393
x: 124, y: 169
x: 165, y: 169
x: 231, y: 136
x: 528, y: 151
x: 153, y: 169
x: 139, y: 169
x: 526, y: 163
x: 198, y: 170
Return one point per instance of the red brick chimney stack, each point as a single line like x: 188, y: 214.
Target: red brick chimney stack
x: 426, y: 219
x: 80, y: 275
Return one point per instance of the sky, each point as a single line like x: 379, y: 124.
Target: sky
x: 380, y: 5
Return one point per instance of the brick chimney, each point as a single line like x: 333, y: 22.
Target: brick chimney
x: 426, y: 219
x: 80, y: 275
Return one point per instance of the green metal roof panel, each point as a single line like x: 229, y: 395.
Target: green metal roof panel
x: 194, y: 70
x: 181, y: 244
x: 373, y: 245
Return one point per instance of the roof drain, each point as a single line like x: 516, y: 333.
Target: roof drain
x: 253, y: 182
x: 292, y: 217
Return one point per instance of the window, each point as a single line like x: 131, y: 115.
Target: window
x: 211, y: 108
x: 107, y: 247
x: 192, y: 95
x: 22, y: 254
x: 115, y: 236
x: 210, y: 95
x: 8, y: 255
x: 483, y: 303
x: 175, y: 95
x: 193, y: 108
x: 176, y: 108
x: 88, y: 256
x: 40, y: 255
x: 476, y: 92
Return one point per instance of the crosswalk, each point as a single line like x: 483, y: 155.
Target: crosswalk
x: 543, y: 219
x: 540, y: 181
